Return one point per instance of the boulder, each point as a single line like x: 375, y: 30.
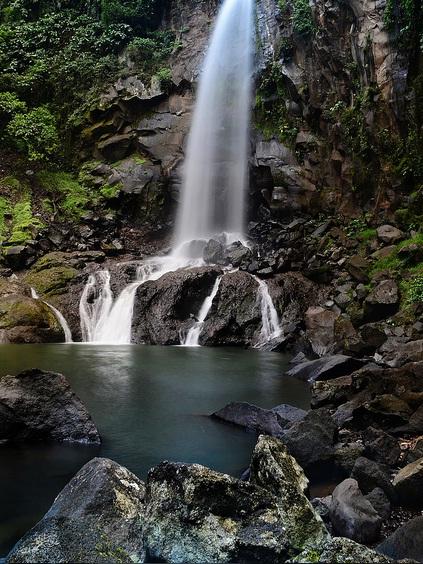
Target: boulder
x: 166, y: 307
x: 339, y: 550
x: 389, y: 234
x: 382, y: 301
x: 214, y: 252
x: 275, y: 470
x: 320, y: 329
x: 194, y: 514
x: 380, y: 502
x: 358, y: 267
x: 311, y: 440
x: 235, y: 315
x: 253, y: 418
x: 406, y: 543
x: 238, y: 254
x: 408, y: 484
x: 115, y: 147
x: 370, y: 474
x: 97, y: 518
x: 403, y: 353
x: 39, y: 405
x: 325, y: 368
x: 352, y: 515
x: 381, y: 447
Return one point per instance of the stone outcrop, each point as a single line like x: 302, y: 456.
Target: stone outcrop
x: 97, y: 517
x: 38, y: 405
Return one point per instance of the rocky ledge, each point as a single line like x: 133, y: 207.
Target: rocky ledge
x: 38, y: 405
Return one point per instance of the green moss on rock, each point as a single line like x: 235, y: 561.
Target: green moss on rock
x: 50, y: 281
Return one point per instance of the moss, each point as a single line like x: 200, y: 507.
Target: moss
x: 74, y: 196
x: 23, y: 311
x: 367, y: 234
x: 11, y: 182
x: 109, y: 192
x: 4, y: 210
x: 24, y: 224
x: 52, y: 280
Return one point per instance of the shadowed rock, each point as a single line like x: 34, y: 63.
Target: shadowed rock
x: 39, y: 405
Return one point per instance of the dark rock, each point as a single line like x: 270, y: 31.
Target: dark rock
x: 251, y: 417
x: 382, y: 301
x: 235, y: 315
x: 312, y: 439
x: 408, y: 484
x: 97, y: 518
x: 405, y: 543
x: 346, y: 454
x: 416, y: 421
x: 358, y: 267
x: 10, y: 425
x: 325, y: 368
x: 380, y: 502
x: 16, y: 257
x: 165, y: 307
x: 331, y: 392
x: 288, y: 413
x: 402, y: 353
x: 214, y: 252
x: 44, y: 407
x: 370, y: 475
x: 389, y: 234
x: 352, y: 515
x: 116, y: 147
x: 237, y: 254
x: 381, y: 446
x: 373, y: 336
x: 320, y: 325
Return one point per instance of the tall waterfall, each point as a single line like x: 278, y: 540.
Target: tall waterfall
x: 215, y: 173
x: 59, y: 316
x: 193, y: 335
x: 270, y: 327
x: 215, y: 177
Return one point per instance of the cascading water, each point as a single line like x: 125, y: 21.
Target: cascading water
x: 59, y: 316
x: 215, y: 173
x: 193, y: 335
x: 215, y: 176
x: 270, y: 327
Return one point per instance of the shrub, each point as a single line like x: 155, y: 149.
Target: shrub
x: 35, y: 133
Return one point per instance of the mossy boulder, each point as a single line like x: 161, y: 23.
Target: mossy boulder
x: 26, y: 320
x: 50, y: 281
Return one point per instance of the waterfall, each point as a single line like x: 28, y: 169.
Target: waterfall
x: 270, y: 328
x: 215, y: 171
x: 59, y: 316
x: 193, y: 335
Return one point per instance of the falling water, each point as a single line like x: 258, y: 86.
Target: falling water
x: 270, y: 328
x: 59, y: 316
x: 193, y: 335
x: 215, y: 174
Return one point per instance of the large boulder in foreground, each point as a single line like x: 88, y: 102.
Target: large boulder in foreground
x: 39, y: 405
x: 274, y: 469
x: 194, y: 514
x: 168, y: 306
x: 96, y: 518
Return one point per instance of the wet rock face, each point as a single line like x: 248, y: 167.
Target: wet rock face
x: 170, y: 304
x: 235, y: 316
x: 405, y: 543
x: 96, y: 518
x: 38, y: 405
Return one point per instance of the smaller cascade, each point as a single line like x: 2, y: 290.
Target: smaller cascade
x: 270, y: 328
x: 59, y: 316
x: 95, y: 304
x: 193, y: 335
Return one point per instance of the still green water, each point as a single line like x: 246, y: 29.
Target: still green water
x: 150, y: 404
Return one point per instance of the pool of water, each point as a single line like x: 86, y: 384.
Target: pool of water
x: 150, y: 404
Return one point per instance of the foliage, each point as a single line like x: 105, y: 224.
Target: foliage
x: 35, y: 133
x: 302, y: 18
x: 24, y: 224
x: 270, y: 112
x: 404, y: 18
x: 164, y: 77
x: 65, y: 188
x: 413, y: 290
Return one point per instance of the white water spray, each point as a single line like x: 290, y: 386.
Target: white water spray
x: 215, y: 174
x: 193, y: 335
x: 59, y: 316
x: 270, y: 327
